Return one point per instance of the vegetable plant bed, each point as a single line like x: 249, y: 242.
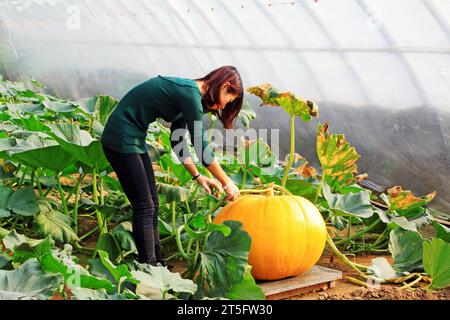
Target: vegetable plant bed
x: 345, y: 290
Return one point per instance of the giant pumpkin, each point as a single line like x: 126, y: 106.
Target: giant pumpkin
x: 288, y: 233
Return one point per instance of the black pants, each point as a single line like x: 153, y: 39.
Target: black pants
x: 136, y: 176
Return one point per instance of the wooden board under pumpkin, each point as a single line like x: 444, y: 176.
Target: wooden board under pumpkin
x: 314, y: 279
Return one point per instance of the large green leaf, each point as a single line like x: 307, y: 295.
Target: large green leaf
x: 80, y: 144
x: 28, y: 282
x: 5, y: 261
x: 172, y: 165
x: 40, y: 151
x: 124, y: 236
x: 406, y: 249
x: 161, y: 279
x: 291, y: 103
x: 31, y: 123
x: 402, y: 222
x: 301, y: 187
x: 337, y: 157
x: 55, y: 224
x: 120, y: 273
x: 246, y: 114
x: 173, y: 193
x: 91, y: 294
x: 247, y: 289
x: 13, y: 239
x: 27, y: 250
x: 224, y: 260
x: 255, y: 154
x: 436, y: 261
x: 443, y: 232
x: 74, y: 275
x: 106, y: 242
x: 99, y: 106
x: 22, y: 108
x: 5, y: 193
x: 351, y: 204
x: 59, y: 106
x: 200, y: 222
x: 23, y: 202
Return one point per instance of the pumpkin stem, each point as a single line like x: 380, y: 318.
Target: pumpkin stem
x: 267, y: 189
x: 284, y: 190
x: 344, y: 258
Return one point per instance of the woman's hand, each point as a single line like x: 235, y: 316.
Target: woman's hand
x: 207, y: 183
x: 232, y: 190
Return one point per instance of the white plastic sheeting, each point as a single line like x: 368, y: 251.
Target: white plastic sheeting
x: 379, y: 69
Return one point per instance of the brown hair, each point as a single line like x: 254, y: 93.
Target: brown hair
x: 213, y: 82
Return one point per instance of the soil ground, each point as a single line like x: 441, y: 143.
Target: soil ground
x: 345, y: 290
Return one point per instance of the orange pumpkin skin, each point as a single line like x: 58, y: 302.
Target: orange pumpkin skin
x: 288, y: 233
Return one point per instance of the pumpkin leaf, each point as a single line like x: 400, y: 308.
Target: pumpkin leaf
x: 28, y: 282
x: 74, y: 275
x: 31, y: 123
x: 173, y: 193
x: 351, y: 204
x: 124, y: 236
x: 247, y: 289
x: 23, y: 202
x: 5, y: 261
x: 292, y: 104
x: 40, y: 151
x: 406, y: 249
x: 107, y: 243
x: 120, y: 273
x: 4, y: 213
x: 210, y: 227
x: 59, y: 106
x: 23, y: 108
x: 403, y: 223
x: 399, y: 199
x: 80, y: 144
x: 223, y: 261
x: 169, y: 163
x: 383, y: 270
x: 442, y: 231
x: 55, y: 224
x: 5, y: 193
x: 337, y: 157
x: 436, y: 261
x: 26, y: 250
x: 13, y: 239
x: 99, y: 106
x: 247, y: 114
x: 91, y: 294
x: 301, y: 166
x: 161, y: 279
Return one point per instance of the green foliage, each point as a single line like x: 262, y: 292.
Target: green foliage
x: 436, y: 261
x: 406, y: 249
x: 28, y: 282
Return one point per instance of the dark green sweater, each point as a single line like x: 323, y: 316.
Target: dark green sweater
x: 176, y: 100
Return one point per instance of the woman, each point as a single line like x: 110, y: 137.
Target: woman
x: 183, y: 102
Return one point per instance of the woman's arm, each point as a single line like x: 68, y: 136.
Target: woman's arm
x: 218, y: 172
